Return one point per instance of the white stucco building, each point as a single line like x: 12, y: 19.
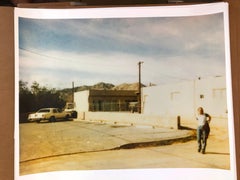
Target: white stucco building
x: 182, y: 99
x: 161, y: 105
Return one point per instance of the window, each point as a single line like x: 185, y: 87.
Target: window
x: 219, y: 93
x: 175, y: 96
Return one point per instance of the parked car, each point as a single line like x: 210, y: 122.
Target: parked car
x: 70, y: 107
x: 50, y: 114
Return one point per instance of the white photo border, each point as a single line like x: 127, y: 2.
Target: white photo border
x: 127, y: 12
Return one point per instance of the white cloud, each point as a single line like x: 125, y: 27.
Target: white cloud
x: 90, y: 51
x: 57, y: 65
x: 60, y: 68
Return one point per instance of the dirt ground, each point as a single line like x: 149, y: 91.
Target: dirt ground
x: 177, y: 155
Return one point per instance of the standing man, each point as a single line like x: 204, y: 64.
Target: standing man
x: 203, y: 129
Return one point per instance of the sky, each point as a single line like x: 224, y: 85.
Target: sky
x: 57, y: 52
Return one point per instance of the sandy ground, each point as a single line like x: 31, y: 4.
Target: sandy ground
x: 177, y: 155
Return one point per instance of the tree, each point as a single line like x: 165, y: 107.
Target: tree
x: 25, y: 97
x: 35, y: 88
x: 38, y: 97
x: 23, y: 87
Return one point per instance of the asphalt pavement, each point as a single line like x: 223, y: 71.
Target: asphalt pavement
x: 94, y: 145
x: 41, y: 140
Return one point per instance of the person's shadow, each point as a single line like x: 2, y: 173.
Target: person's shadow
x: 217, y: 153
x: 185, y: 128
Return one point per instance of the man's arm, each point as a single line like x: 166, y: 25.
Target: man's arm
x: 208, y: 117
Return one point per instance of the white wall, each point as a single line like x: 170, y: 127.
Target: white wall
x: 169, y: 100
x: 134, y: 119
x: 162, y: 104
x: 81, y: 100
x: 215, y: 98
x: 182, y: 99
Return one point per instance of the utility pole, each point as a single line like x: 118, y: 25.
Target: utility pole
x: 139, y: 88
x: 72, y: 91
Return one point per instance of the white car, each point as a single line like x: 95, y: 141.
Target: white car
x: 50, y: 114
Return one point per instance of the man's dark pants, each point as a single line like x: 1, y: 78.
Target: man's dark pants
x: 202, y: 135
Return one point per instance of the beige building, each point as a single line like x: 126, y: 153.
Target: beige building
x: 104, y: 100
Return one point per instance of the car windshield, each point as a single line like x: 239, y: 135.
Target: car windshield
x: 44, y: 110
x: 70, y: 106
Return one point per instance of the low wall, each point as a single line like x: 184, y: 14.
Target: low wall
x: 133, y: 119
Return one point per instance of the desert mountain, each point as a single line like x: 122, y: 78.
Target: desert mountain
x: 127, y: 86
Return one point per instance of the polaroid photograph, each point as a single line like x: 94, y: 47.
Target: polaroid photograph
x: 124, y: 93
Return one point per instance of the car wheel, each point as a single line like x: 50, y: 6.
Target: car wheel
x: 38, y: 121
x: 74, y: 114
x: 67, y: 117
x: 52, y: 119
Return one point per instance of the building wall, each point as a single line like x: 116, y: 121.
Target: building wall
x: 127, y: 118
x: 211, y: 94
x: 104, y: 100
x: 81, y: 100
x: 182, y: 99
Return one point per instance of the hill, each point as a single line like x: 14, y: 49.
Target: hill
x: 66, y: 94
x: 127, y: 86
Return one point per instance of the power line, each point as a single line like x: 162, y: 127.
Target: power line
x: 39, y: 54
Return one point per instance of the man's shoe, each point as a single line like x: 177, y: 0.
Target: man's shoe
x: 203, y: 151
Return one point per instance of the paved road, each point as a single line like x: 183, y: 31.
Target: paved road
x: 86, y: 146
x: 63, y: 138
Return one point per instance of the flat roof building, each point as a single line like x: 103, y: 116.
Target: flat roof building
x: 183, y: 98
x: 104, y: 100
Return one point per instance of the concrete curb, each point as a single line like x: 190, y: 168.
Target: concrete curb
x: 167, y: 141
x: 156, y: 143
